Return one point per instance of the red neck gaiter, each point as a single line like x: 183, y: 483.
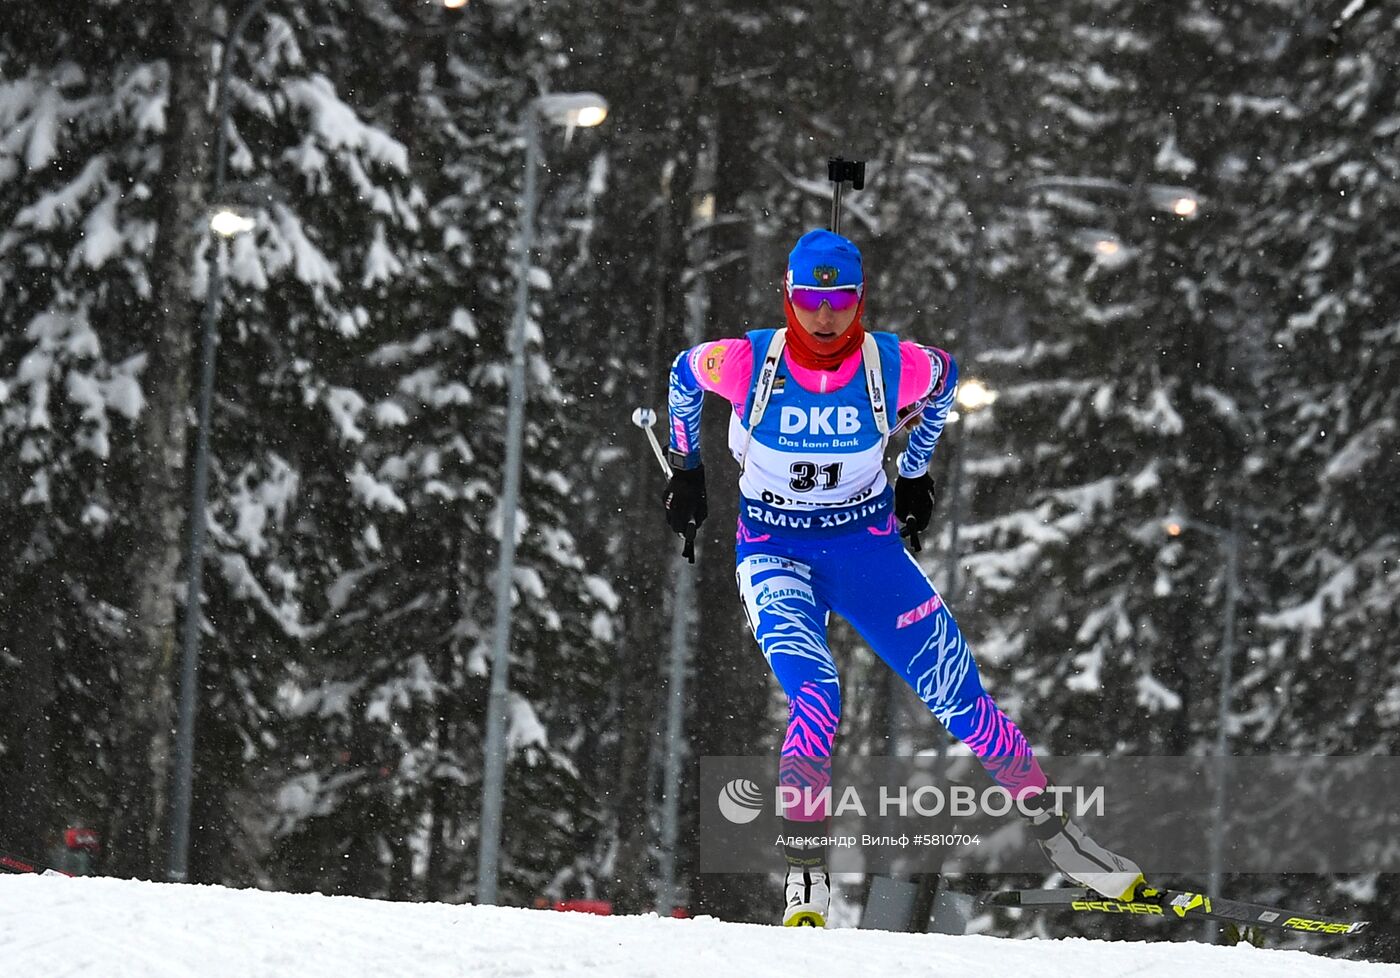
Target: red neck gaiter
x: 814, y: 355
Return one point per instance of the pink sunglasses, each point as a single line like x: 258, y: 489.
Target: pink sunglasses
x: 810, y: 299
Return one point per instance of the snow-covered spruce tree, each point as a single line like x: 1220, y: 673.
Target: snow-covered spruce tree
x: 88, y: 171
x: 292, y: 493
x: 1121, y: 406
x: 92, y: 468
x: 314, y: 557
x: 386, y: 712
x: 1322, y: 239
x: 1319, y: 242
x: 1108, y: 383
x: 1192, y: 334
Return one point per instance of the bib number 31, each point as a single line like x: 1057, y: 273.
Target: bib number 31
x: 804, y: 476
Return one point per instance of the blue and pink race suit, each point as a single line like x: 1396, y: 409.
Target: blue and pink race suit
x: 817, y: 534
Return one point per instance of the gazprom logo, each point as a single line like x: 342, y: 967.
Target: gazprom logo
x: 821, y: 420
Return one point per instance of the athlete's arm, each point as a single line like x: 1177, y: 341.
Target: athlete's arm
x: 926, y: 373
x: 723, y: 367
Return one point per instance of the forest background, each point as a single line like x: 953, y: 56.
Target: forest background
x: 1237, y: 365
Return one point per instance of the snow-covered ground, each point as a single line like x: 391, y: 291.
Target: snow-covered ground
x: 104, y: 928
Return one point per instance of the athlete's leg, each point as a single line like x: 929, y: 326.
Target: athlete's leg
x: 882, y: 592
x: 789, y: 620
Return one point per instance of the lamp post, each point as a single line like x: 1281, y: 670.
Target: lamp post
x: 224, y: 223
x: 675, y: 711
x: 571, y: 110
x: 698, y: 299
x: 1229, y: 539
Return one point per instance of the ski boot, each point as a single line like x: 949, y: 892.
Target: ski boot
x: 808, y: 897
x: 808, y: 887
x: 1082, y: 859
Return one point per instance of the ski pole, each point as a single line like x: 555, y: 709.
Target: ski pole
x: 644, y: 418
x: 908, y: 532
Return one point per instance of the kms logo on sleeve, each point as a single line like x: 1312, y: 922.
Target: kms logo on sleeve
x: 835, y: 420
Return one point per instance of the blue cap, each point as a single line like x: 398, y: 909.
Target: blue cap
x: 824, y: 260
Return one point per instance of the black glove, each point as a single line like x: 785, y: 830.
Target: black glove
x: 913, y: 507
x: 686, y: 507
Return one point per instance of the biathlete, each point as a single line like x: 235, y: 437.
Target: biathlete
x: 820, y: 530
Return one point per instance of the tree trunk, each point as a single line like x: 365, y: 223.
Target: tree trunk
x: 642, y: 681
x: 142, y: 763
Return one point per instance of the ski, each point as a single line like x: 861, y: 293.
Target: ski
x: 1178, y: 904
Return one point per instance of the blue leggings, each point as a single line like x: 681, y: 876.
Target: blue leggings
x: 789, y: 587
